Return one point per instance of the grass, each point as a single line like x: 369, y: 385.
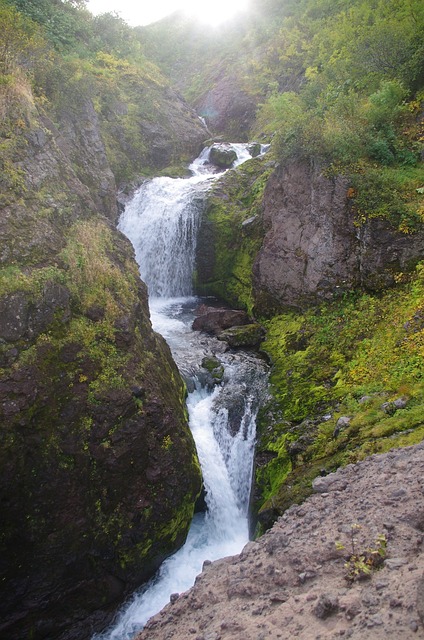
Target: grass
x: 346, y: 358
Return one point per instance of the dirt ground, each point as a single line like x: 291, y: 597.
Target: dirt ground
x: 297, y: 582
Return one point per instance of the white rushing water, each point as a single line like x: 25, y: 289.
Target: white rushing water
x: 162, y: 222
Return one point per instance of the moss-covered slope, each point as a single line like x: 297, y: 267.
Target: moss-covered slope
x: 231, y: 234
x: 349, y: 359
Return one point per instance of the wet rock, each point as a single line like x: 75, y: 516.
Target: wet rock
x: 215, y: 370
x: 254, y: 148
x: 249, y: 335
x: 222, y: 155
x: 214, y: 320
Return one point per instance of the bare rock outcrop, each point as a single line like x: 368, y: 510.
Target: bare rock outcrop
x: 227, y: 108
x: 312, y: 249
x: 309, y: 244
x: 293, y: 582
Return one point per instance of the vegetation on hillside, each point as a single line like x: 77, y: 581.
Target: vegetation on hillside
x: 352, y: 358
x: 65, y: 56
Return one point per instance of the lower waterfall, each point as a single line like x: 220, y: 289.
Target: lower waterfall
x: 162, y: 222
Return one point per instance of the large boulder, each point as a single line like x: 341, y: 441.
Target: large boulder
x: 222, y: 156
x: 214, y: 321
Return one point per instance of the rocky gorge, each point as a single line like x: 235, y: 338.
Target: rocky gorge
x: 314, y: 245
x: 307, y: 577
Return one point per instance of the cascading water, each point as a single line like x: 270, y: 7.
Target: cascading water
x: 162, y: 223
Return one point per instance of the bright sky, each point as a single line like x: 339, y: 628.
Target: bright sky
x: 137, y: 12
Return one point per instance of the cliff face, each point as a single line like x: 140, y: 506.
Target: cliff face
x: 288, y: 237
x: 308, y: 248
x: 314, y: 249
x: 93, y: 424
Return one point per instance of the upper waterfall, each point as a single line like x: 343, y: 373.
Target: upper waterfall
x: 162, y: 222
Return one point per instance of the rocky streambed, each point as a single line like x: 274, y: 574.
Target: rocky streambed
x: 297, y: 582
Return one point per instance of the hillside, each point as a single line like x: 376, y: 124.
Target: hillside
x: 90, y: 398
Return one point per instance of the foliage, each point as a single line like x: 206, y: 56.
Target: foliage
x: 345, y: 358
x: 90, y: 274
x: 360, y: 66
x: 390, y: 193
x: 360, y: 564
x: 21, y: 43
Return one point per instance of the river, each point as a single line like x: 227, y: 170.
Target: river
x: 162, y: 222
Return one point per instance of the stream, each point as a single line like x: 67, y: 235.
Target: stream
x: 162, y: 222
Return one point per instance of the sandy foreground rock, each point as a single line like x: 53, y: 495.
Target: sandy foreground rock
x: 291, y: 582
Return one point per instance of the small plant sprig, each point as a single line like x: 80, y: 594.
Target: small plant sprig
x: 360, y: 565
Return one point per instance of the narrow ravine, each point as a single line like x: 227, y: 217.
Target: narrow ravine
x: 162, y: 222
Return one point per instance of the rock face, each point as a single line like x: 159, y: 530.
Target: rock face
x: 227, y: 108
x: 293, y: 582
x: 297, y: 236
x: 312, y: 249
x: 309, y: 244
x: 93, y: 425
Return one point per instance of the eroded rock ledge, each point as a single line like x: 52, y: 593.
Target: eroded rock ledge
x: 291, y: 582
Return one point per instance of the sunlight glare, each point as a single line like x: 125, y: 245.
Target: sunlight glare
x: 214, y: 12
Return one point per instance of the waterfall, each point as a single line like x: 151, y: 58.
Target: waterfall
x: 162, y: 222
x: 162, y: 218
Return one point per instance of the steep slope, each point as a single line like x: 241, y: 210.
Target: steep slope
x: 346, y: 563
x: 93, y: 424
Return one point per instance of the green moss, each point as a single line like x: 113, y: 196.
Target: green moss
x: 233, y: 215
x: 13, y: 278
x: 389, y: 193
x: 325, y: 362
x: 91, y: 275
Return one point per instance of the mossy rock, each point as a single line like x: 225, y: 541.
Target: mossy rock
x: 248, y: 335
x: 222, y: 156
x: 254, y: 148
x: 215, y: 369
